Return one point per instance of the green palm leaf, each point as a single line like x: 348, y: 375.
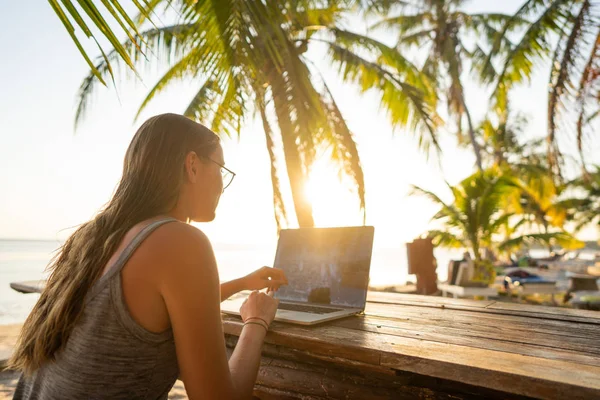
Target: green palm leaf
x: 446, y: 239
x: 589, y: 77
x: 162, y: 43
x: 229, y: 115
x: 519, y: 63
x: 562, y: 76
x: 404, y: 103
x: 563, y: 239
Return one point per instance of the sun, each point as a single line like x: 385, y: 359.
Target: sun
x: 333, y: 201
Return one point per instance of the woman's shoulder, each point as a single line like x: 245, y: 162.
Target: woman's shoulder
x: 178, y: 236
x: 174, y: 253
x: 174, y: 243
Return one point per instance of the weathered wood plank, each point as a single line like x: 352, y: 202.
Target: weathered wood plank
x: 508, y: 333
x: 492, y: 307
x: 463, y: 338
x: 561, y: 313
x: 308, y: 338
x: 430, y: 301
x: 325, y: 378
x: 515, y: 373
x: 308, y: 357
x: 523, y: 322
x: 330, y: 383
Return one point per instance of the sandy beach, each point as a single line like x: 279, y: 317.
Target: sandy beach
x: 8, y: 379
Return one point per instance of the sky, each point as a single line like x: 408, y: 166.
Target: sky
x: 53, y: 178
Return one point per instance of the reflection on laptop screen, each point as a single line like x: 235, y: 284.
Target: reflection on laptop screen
x: 325, y: 265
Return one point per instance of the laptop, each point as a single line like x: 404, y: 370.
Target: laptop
x: 327, y: 270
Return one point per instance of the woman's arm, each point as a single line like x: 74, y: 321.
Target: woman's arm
x: 262, y: 278
x: 230, y: 288
x: 191, y: 291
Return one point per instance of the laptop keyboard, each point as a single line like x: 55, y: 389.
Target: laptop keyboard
x: 308, y: 309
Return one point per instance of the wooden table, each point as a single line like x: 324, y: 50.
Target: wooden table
x: 409, y: 346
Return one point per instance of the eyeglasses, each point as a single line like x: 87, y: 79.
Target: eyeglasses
x: 226, y: 174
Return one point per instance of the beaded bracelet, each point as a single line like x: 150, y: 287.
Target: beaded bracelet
x: 256, y: 323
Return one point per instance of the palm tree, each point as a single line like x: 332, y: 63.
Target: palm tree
x: 568, y: 34
x: 502, y: 133
x: 480, y: 217
x: 442, y: 27
x: 475, y: 215
x: 249, y: 57
x: 538, y: 201
x: 500, y: 137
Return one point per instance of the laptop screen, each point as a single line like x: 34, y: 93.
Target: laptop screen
x: 325, y: 265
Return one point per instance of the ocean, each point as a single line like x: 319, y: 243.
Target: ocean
x: 26, y: 260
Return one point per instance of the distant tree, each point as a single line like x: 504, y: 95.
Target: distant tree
x: 452, y: 38
x: 481, y: 215
x: 566, y: 32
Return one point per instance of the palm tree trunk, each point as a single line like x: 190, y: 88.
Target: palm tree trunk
x: 293, y: 161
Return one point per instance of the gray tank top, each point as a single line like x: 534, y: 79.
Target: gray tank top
x: 108, y: 355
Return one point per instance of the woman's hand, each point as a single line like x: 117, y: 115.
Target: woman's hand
x: 265, y: 277
x: 259, y: 305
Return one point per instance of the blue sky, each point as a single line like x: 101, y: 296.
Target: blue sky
x: 52, y: 178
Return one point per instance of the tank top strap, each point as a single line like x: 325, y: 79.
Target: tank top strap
x: 126, y: 255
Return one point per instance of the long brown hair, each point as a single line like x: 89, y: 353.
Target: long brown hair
x: 153, y: 173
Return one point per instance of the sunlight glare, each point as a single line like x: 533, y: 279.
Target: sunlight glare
x: 333, y: 200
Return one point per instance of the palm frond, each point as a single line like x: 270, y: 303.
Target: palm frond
x: 446, y: 239
x: 93, y: 13
x: 404, y: 103
x: 146, y: 9
x: 476, y: 20
x: 165, y: 43
x: 528, y: 8
x: 187, y: 66
x: 562, y: 239
x: 535, y: 44
x: 71, y: 31
x: 386, y: 56
x: 382, y: 7
x: 229, y: 115
x: 417, y: 38
x: 201, y: 106
x: 562, y: 77
x: 447, y: 210
x: 588, y: 78
x: 404, y: 24
x: 593, y: 116
x: 314, y: 18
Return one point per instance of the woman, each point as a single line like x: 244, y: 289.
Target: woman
x: 132, y: 301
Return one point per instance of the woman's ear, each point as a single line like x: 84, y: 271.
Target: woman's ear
x: 192, y: 166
